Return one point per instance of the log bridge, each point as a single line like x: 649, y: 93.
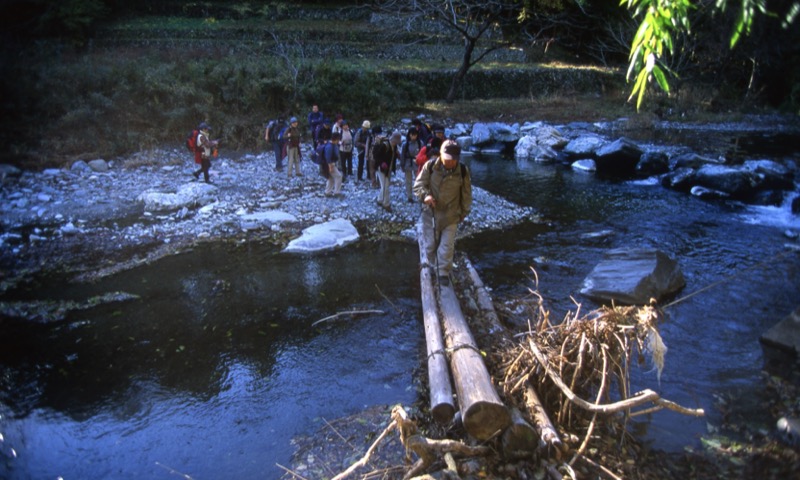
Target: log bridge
x: 449, y: 341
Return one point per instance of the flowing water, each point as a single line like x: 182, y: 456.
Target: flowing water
x: 218, y: 365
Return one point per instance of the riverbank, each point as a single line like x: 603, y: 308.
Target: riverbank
x: 88, y: 224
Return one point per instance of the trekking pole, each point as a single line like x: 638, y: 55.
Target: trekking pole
x: 436, y: 250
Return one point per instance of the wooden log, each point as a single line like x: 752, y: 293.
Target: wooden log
x: 482, y: 412
x: 520, y: 439
x: 547, y: 432
x: 441, y: 391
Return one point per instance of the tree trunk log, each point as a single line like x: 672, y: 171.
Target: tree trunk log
x: 441, y: 390
x: 520, y: 439
x: 547, y: 432
x: 482, y: 412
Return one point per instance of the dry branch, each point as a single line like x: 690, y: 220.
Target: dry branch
x: 350, y: 312
x: 645, y: 396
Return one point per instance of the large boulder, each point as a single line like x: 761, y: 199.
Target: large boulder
x: 324, y: 236
x: 773, y: 175
x: 785, y: 335
x: 680, y: 179
x: 618, y: 157
x: 633, y: 277
x: 736, y: 182
x: 693, y: 160
x: 483, y: 133
x: 583, y: 146
x: 652, y: 163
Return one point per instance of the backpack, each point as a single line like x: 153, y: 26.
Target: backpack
x: 270, y: 127
x: 318, y: 155
x: 282, y: 132
x: 429, y: 168
x: 191, y: 140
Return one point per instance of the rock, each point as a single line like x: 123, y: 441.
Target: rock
x: 693, y: 160
x: 733, y: 181
x: 679, y: 179
x: 652, y: 163
x: 251, y: 221
x: 188, y: 195
x: 586, y: 165
x: 583, y: 146
x: 708, y: 193
x: 9, y: 171
x: 768, y: 197
x: 619, y: 157
x: 481, y: 134
x: 98, y: 165
x: 785, y: 335
x: 465, y: 142
x: 633, y: 277
x: 550, y: 137
x: 773, y: 175
x: 325, y: 236
x: 80, y: 166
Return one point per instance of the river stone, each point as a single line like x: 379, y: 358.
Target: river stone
x: 583, y: 146
x: 693, y: 160
x: 80, y: 166
x: 586, y: 165
x: 680, y: 179
x: 252, y: 221
x: 9, y: 171
x: 653, y: 163
x: 619, y: 157
x: 734, y: 181
x: 785, y: 335
x: 98, y: 165
x: 188, y: 195
x: 481, y: 133
x: 773, y: 174
x: 324, y: 236
x: 633, y: 277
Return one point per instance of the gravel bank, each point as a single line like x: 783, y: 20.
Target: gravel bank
x: 90, y: 223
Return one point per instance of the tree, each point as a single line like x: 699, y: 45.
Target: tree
x: 479, y: 23
x: 662, y: 20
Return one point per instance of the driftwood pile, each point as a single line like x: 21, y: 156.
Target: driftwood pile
x: 552, y: 387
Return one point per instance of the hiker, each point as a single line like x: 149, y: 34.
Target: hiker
x: 445, y: 189
x: 205, y: 146
x: 427, y: 153
x: 346, y: 150
x: 423, y: 130
x: 337, y: 123
x: 323, y: 132
x: 362, y: 140
x: 272, y: 135
x: 292, y: 138
x: 438, y: 132
x: 384, y: 154
x: 333, y: 187
x: 377, y: 132
x: 408, y: 160
x: 315, y: 118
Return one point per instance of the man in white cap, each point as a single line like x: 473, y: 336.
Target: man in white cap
x: 362, y: 141
x: 445, y: 189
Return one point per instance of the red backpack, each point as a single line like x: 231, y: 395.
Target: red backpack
x: 191, y: 140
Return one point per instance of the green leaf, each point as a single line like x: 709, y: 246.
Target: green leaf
x: 661, y: 78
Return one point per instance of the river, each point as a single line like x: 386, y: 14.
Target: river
x: 218, y: 366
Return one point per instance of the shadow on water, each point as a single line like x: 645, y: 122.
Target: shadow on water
x: 215, y: 369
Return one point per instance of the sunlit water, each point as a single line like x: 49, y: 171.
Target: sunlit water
x: 218, y: 366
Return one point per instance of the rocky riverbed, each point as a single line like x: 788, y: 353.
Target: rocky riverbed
x: 100, y: 217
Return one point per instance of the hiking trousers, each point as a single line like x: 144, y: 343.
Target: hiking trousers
x: 439, y: 246
x: 294, y: 160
